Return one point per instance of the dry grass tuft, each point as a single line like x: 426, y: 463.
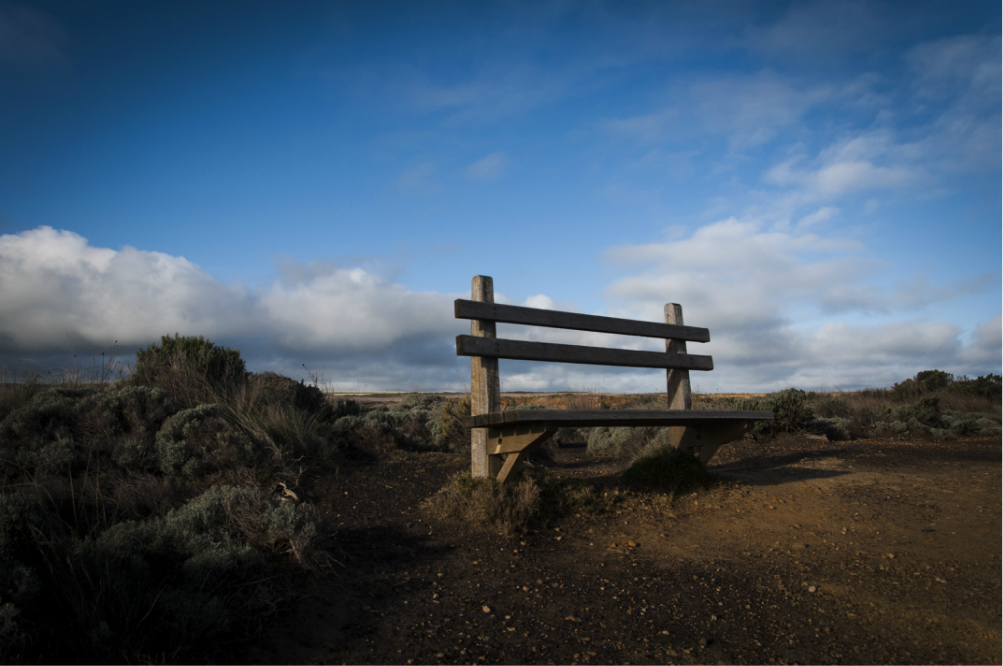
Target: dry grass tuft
x: 509, y: 508
x: 531, y: 501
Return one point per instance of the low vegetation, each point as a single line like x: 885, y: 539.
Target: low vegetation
x: 138, y: 520
x: 163, y: 514
x: 530, y: 502
x: 933, y: 403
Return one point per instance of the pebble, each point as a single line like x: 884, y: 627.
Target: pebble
x: 812, y: 589
x: 486, y: 609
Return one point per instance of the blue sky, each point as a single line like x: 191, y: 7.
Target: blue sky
x: 314, y: 183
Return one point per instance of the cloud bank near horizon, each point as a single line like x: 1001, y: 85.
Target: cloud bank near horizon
x: 756, y: 289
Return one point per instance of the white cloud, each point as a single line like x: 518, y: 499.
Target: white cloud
x: 763, y: 294
x: 856, y: 163
x: 823, y: 214
x: 540, y: 301
x: 749, y: 109
x: 489, y: 167
x: 751, y: 287
x: 55, y: 284
x: 752, y: 110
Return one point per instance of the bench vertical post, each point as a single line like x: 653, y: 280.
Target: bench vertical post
x: 678, y: 390
x: 485, y: 388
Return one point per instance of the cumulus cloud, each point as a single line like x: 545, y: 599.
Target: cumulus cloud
x: 763, y: 293
x: 55, y: 284
x: 754, y: 288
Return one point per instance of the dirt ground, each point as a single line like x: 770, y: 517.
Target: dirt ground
x: 872, y: 551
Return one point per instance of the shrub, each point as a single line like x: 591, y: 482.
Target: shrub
x: 17, y: 389
x: 41, y: 434
x: 926, y: 411
x: 791, y: 411
x: 197, y: 441
x: 931, y: 381
x: 961, y: 424
x: 163, y: 589
x: 191, y: 369
x: 837, y: 429
x: 31, y: 539
x: 827, y: 406
x: 60, y: 427
x: 989, y: 386
x: 668, y: 470
x: 273, y: 388
x: 619, y: 442
x: 924, y: 382
x: 420, y: 422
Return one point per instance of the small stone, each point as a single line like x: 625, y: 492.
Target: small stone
x: 632, y: 544
x: 612, y: 545
x: 486, y: 609
x: 891, y: 556
x: 812, y: 589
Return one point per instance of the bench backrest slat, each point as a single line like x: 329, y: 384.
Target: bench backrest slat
x: 513, y: 314
x: 523, y: 350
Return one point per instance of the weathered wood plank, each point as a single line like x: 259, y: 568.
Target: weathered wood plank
x: 560, y: 418
x: 485, y: 385
x: 677, y: 382
x: 522, y: 350
x: 513, y: 314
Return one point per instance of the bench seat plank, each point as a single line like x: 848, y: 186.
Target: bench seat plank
x: 514, y: 314
x: 561, y: 418
x: 522, y: 350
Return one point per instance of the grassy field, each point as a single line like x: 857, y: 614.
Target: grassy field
x: 168, y: 515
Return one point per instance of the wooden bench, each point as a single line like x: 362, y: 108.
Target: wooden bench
x: 500, y: 440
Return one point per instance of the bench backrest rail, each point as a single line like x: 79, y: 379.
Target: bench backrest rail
x: 524, y: 350
x: 514, y: 314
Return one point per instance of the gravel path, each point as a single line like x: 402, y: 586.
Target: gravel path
x: 875, y: 551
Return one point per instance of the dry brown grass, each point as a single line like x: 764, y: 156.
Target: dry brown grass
x: 508, y: 508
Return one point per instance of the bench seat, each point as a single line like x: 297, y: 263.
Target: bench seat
x: 561, y: 418
x: 514, y: 433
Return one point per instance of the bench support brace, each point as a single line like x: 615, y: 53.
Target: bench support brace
x: 511, y: 444
x: 704, y: 441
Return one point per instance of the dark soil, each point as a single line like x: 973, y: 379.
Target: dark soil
x: 872, y: 551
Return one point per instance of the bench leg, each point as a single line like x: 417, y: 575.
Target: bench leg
x: 704, y: 441
x: 508, y: 446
